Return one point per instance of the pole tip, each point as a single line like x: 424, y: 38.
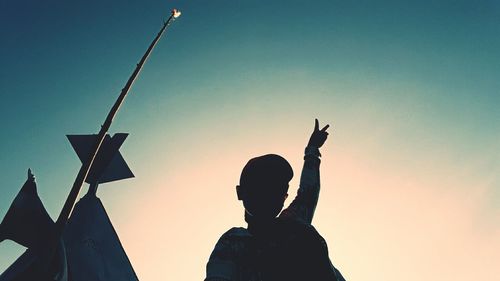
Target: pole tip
x: 31, y: 177
x: 176, y: 13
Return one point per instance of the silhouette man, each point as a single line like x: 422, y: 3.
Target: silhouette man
x: 274, y: 248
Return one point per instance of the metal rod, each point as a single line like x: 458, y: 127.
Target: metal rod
x: 93, y: 188
x: 86, y: 166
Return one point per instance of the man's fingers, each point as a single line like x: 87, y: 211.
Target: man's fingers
x: 324, y: 128
x: 316, y: 125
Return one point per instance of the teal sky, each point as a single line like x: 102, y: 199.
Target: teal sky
x: 411, y: 90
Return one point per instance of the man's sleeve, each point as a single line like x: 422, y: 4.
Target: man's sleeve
x: 304, y: 204
x: 221, y: 266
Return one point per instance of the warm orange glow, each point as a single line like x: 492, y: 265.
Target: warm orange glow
x: 417, y: 219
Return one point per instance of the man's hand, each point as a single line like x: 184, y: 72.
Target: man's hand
x: 318, y: 137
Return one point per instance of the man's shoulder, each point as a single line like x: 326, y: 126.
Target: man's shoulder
x: 236, y: 232
x: 231, y: 242
x: 291, y: 223
x: 227, y: 254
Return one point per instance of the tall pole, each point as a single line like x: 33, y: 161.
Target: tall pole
x: 86, y: 166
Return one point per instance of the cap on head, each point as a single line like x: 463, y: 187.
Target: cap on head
x: 265, y: 172
x: 264, y: 185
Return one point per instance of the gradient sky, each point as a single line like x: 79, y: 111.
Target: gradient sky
x: 411, y: 171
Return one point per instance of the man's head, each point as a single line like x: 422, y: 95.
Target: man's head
x: 264, y: 185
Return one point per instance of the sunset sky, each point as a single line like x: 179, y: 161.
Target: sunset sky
x: 410, y: 173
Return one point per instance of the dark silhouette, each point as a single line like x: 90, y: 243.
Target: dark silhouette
x: 273, y: 248
x: 94, y: 250
x: 90, y: 248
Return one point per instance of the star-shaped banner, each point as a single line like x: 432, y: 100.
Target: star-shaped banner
x: 109, y: 164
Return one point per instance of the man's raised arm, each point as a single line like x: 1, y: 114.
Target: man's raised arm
x: 304, y: 204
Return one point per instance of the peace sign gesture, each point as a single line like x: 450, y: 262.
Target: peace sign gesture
x: 318, y: 137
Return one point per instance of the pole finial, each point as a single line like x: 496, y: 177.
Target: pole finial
x: 176, y: 13
x: 31, y: 177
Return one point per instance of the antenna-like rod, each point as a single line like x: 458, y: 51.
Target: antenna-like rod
x: 86, y: 166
